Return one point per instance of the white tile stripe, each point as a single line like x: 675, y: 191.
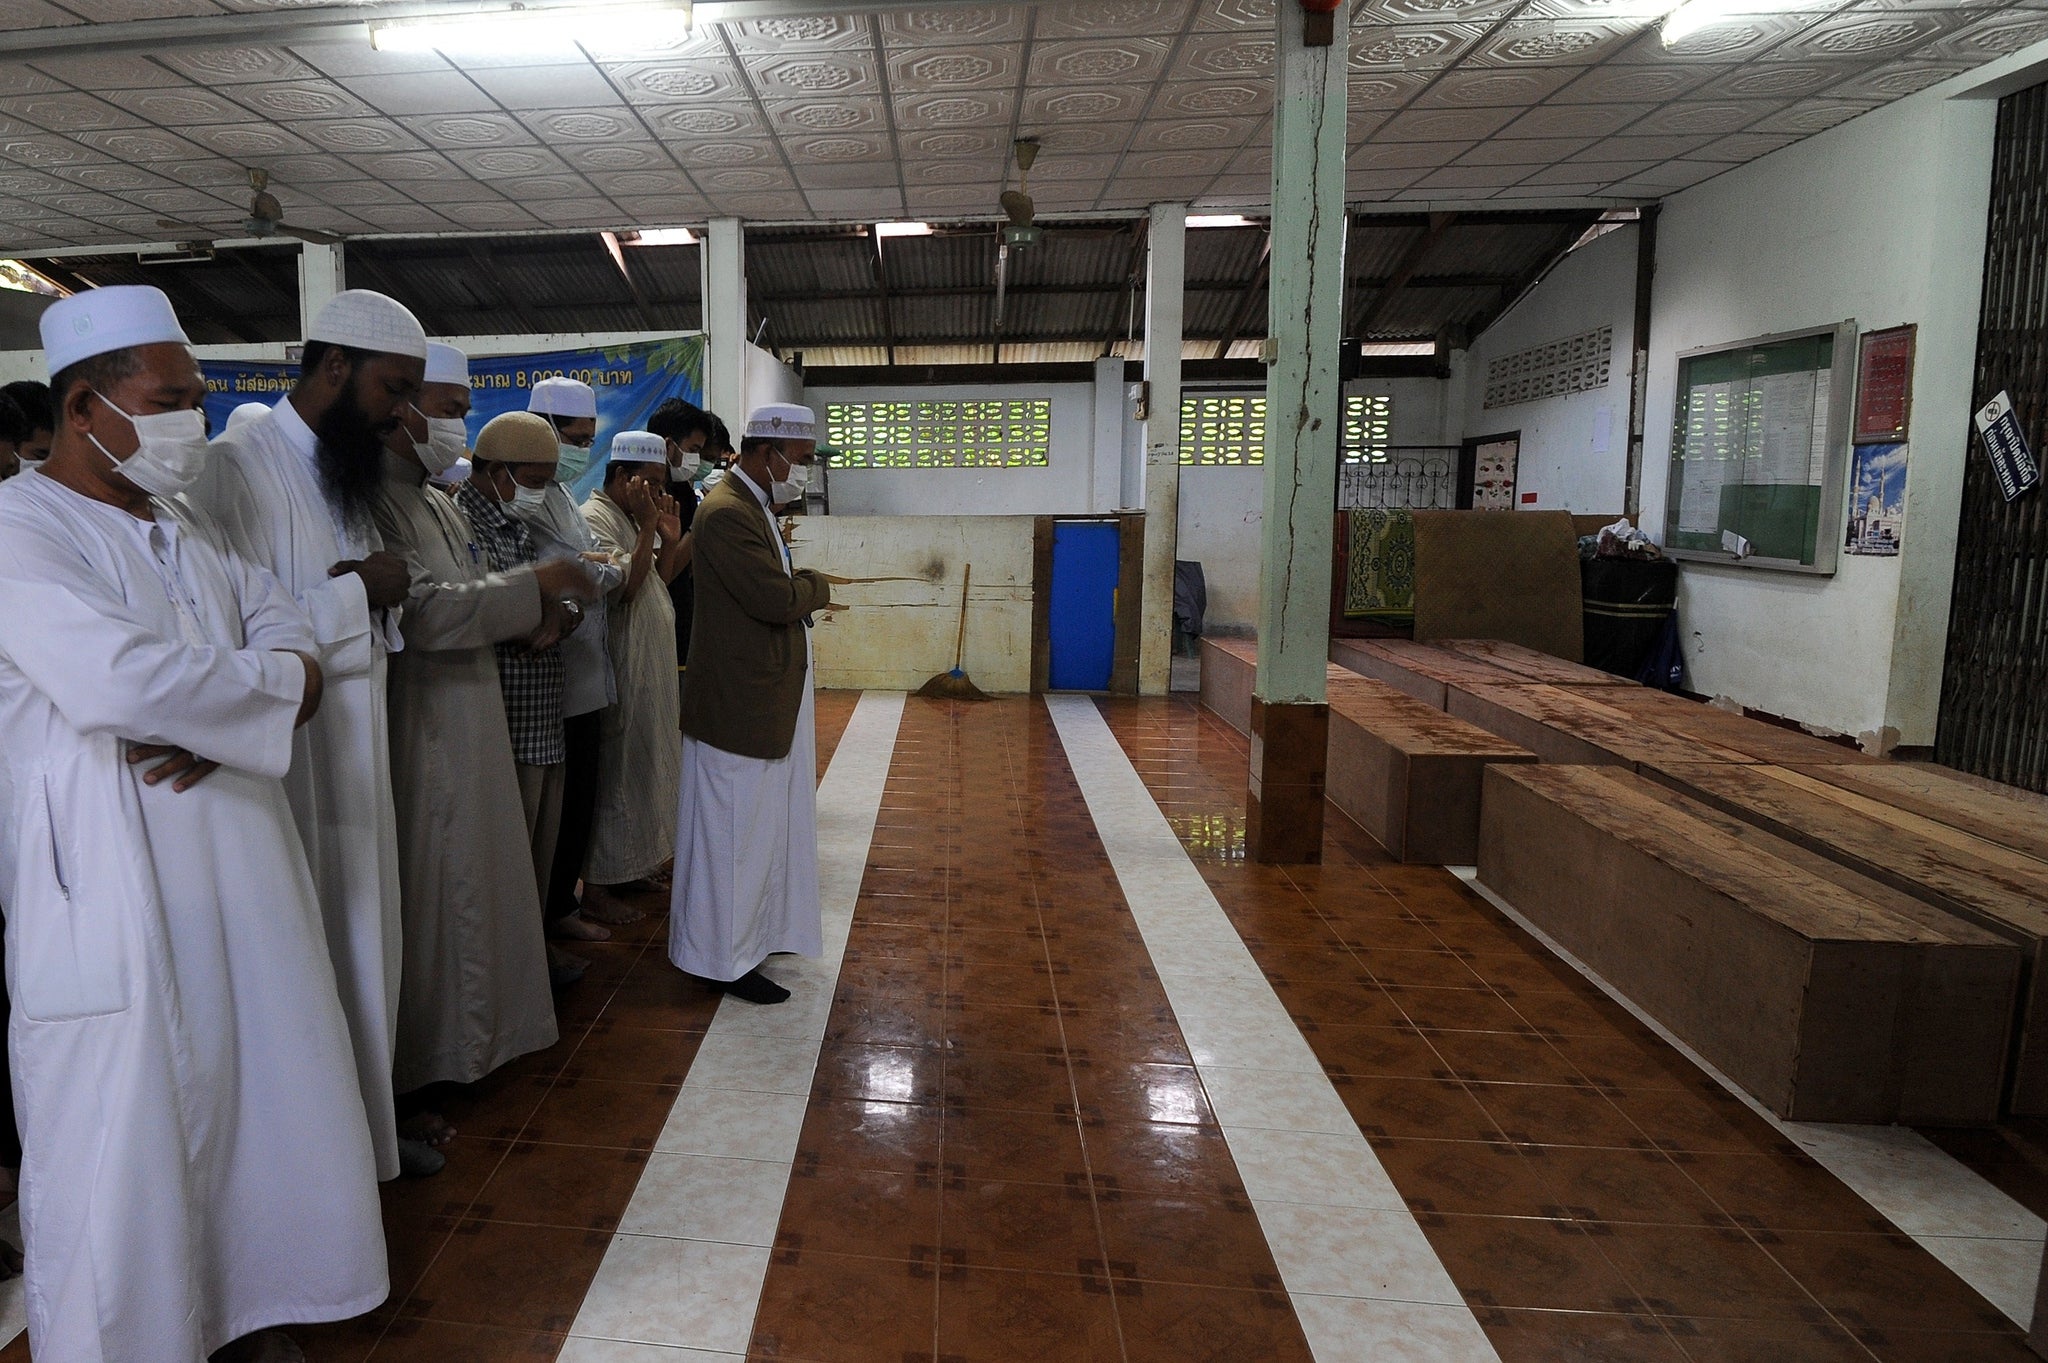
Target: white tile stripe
x: 682, y: 1279
x: 1365, y: 1282
x: 1985, y: 1237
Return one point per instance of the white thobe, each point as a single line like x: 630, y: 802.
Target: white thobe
x: 746, y: 881
x: 263, y: 486
x: 196, y: 1162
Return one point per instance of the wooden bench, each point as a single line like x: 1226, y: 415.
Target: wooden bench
x: 1826, y: 995
x: 1530, y: 665
x: 1576, y: 727
x: 1229, y: 666
x: 2001, y: 814
x: 1755, y: 739
x: 1424, y: 671
x: 1409, y: 773
x: 1989, y: 884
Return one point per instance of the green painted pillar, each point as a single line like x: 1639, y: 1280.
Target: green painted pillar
x: 1304, y: 408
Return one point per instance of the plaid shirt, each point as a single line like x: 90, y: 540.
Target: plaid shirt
x: 532, y: 682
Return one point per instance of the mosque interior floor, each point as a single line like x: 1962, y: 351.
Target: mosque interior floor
x: 1032, y: 1120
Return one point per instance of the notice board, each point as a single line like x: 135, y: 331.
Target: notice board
x: 1759, y: 443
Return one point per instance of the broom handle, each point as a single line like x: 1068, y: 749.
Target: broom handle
x: 960, y: 644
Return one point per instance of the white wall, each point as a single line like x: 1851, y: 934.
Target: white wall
x: 1220, y: 506
x: 1065, y: 486
x: 1574, y: 454
x: 1881, y: 219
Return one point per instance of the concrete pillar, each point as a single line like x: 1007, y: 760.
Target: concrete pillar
x: 320, y: 278
x: 725, y: 320
x: 1290, y: 719
x: 1105, y: 472
x: 1165, y: 285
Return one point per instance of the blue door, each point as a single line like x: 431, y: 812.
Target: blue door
x: 1082, y: 637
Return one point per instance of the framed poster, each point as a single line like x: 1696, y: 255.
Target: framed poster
x: 1884, y: 386
x: 1759, y: 451
x: 1877, y: 500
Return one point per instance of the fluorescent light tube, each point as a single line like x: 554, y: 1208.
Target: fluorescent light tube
x: 1695, y: 15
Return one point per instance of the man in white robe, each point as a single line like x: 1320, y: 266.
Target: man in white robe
x: 295, y: 490
x: 198, y: 1166
x: 746, y: 884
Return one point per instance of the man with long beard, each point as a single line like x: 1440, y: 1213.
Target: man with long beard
x: 295, y: 489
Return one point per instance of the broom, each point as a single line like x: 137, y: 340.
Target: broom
x: 956, y: 685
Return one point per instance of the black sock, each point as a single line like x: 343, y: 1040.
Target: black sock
x: 754, y: 987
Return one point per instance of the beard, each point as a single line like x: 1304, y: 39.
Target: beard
x: 349, y: 451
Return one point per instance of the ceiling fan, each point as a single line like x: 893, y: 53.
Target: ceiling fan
x: 266, y: 216
x: 1021, y: 230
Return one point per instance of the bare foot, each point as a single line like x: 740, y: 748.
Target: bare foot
x: 602, y: 906
x: 265, y: 1346
x: 430, y: 1127
x: 575, y: 928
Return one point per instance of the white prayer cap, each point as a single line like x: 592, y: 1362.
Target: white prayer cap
x: 113, y: 318
x: 245, y: 414
x: 363, y: 319
x: 563, y: 397
x: 446, y: 364
x: 781, y: 421
x: 639, y: 447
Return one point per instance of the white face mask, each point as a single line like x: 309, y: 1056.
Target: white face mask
x: 169, y: 453
x: 447, y: 443
x: 790, y: 487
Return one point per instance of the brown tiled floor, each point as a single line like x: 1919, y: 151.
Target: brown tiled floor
x: 1591, y: 1193
x: 1008, y: 1155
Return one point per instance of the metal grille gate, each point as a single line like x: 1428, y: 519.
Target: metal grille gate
x: 1994, y: 692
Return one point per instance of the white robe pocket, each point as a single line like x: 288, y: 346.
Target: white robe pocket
x: 67, y: 947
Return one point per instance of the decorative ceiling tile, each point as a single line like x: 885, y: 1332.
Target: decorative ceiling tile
x: 629, y: 183
x: 1812, y: 116
x: 801, y: 117
x: 955, y: 111
x: 27, y: 14
x: 421, y: 92
x: 1555, y: 42
x: 1987, y: 39
x: 945, y: 25
x: 1185, y: 134
x: 1385, y: 89
x: 1735, y: 39
x: 1084, y: 104
x: 1896, y: 81
x: 1055, y: 169
x: 1412, y: 47
x: 824, y: 32
x: 1724, y: 116
x: 1494, y: 88
x: 306, y: 170
x: 300, y: 99
x: 1235, y: 16
x: 349, y: 136
x: 660, y: 210
x: 1642, y: 11
x: 1577, y: 120
x: 1445, y: 125
x: 1251, y: 161
x: 412, y: 165
x: 544, y: 187
x: 699, y: 156
x: 404, y: 218
x: 763, y: 207
x: 935, y: 145
x: 139, y: 145
x: 1076, y: 139
x: 745, y: 178
x: 954, y: 68
x: 498, y: 163
x: 946, y: 198
x: 823, y: 73
x: 236, y: 65
x: 357, y: 193
x: 1177, y: 164
x: 488, y: 217
x: 248, y: 140
x: 1743, y: 147
x: 1124, y: 192
x: 1652, y: 147
x: 17, y: 79
x: 441, y: 193
x: 1369, y: 15
x: 546, y: 87
x: 848, y: 175
x: 1854, y: 36
x: 1359, y: 125
x: 559, y: 126
x: 1584, y: 172
x: 1208, y: 99
x: 1612, y: 84
x: 107, y: 71
x: 989, y: 173
x: 206, y: 173
x: 344, y: 61
x: 111, y: 177
x: 1116, y: 18
x: 1407, y: 155
x: 67, y: 113
x: 708, y: 120
x: 670, y: 82
x: 855, y: 203
x: 1222, y: 56
x: 1520, y: 151
x: 1380, y: 181
x: 1239, y: 191
x: 1473, y: 177
x: 450, y: 131
x: 1107, y: 60
x: 1770, y: 80
x: 180, y: 107
x: 616, y: 156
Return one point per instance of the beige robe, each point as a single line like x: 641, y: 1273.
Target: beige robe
x: 475, y: 989
x: 640, y: 751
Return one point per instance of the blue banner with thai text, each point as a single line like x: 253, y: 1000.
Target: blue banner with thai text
x: 631, y: 381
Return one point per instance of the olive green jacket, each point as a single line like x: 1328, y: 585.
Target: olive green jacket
x: 748, y: 656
